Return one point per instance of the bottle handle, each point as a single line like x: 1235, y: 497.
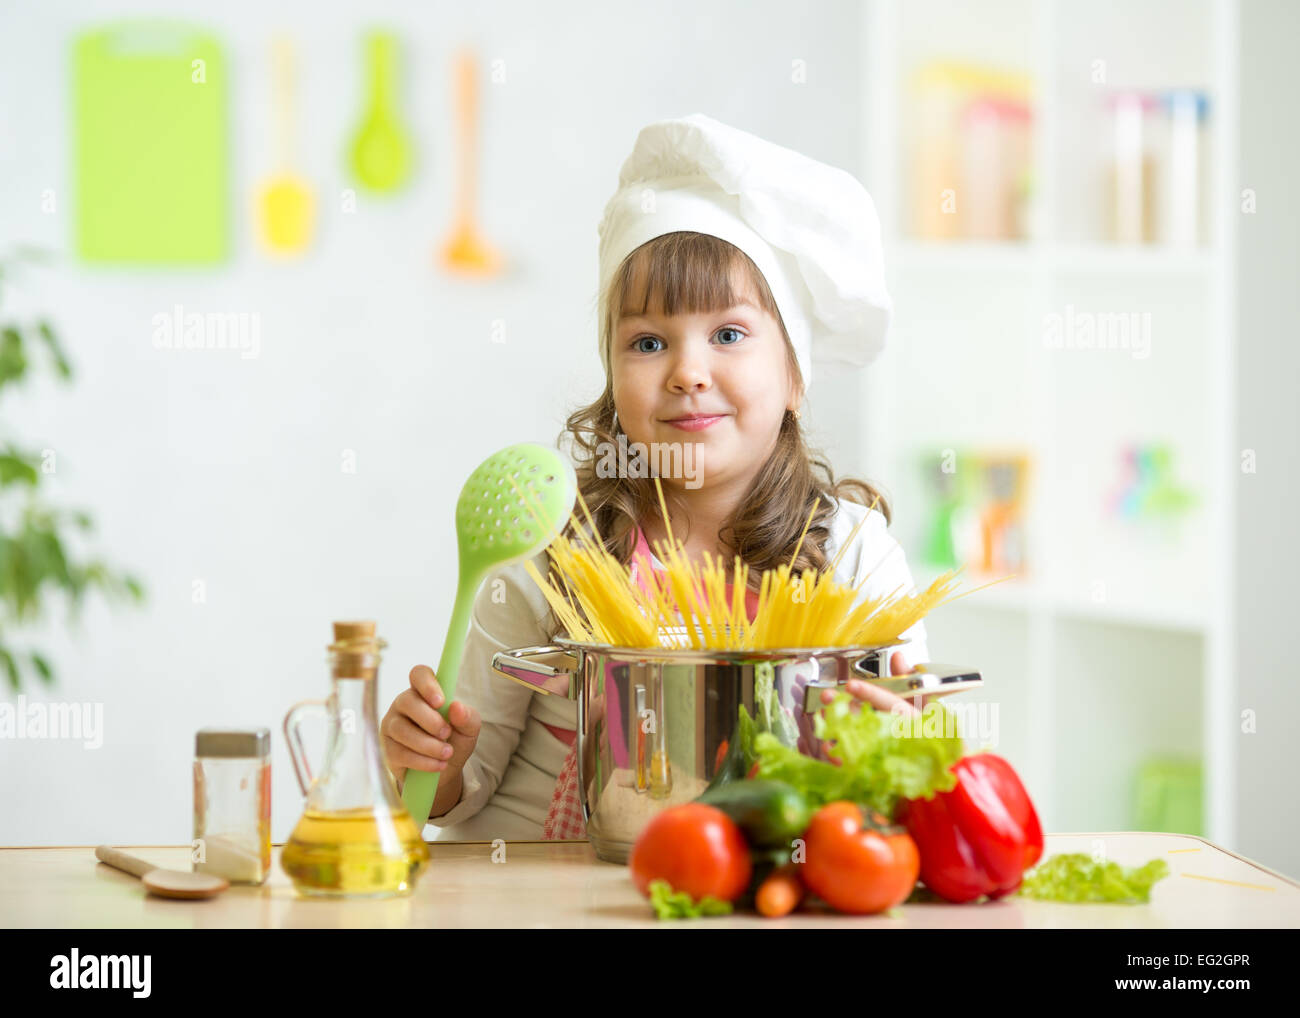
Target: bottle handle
x: 293, y: 739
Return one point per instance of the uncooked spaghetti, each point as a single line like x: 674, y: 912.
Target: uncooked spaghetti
x: 597, y: 599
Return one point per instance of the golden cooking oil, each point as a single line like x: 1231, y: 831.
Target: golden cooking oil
x: 354, y: 852
x: 355, y: 837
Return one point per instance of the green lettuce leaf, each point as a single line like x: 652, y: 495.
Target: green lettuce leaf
x: 1076, y: 877
x: 883, y: 757
x: 745, y: 732
x: 771, y: 716
x: 670, y: 904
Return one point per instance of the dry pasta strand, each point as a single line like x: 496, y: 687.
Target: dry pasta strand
x: 596, y: 598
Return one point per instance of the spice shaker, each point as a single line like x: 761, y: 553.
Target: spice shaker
x: 232, y: 803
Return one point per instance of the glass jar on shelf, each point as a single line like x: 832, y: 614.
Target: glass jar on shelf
x: 1184, y: 146
x: 1131, y: 174
x: 995, y: 161
x: 970, y: 149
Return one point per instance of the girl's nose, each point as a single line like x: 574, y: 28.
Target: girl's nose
x: 690, y: 372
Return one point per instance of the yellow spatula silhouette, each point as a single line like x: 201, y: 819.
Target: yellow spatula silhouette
x: 466, y: 252
x: 285, y: 203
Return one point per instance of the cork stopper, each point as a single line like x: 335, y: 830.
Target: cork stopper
x: 356, y: 650
x: 353, y: 630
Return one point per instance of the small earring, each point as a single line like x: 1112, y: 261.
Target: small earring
x: 795, y: 414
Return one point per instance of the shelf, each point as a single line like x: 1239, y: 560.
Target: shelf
x: 1130, y: 260
x: 969, y: 334
x: 1101, y: 259
x: 1028, y: 596
x: 962, y: 256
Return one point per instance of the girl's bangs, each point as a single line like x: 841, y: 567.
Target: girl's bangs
x: 687, y: 273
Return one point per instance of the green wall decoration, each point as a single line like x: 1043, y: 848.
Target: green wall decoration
x: 150, y: 144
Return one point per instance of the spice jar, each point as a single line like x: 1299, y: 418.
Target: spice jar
x: 232, y: 804
x: 1133, y: 176
x: 1182, y: 127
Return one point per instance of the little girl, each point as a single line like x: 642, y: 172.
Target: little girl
x: 726, y: 261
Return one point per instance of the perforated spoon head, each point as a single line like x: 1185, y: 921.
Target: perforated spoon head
x: 513, y: 506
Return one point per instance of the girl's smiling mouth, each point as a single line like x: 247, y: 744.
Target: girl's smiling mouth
x: 695, y: 422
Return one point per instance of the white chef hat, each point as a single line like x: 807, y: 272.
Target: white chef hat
x: 811, y: 228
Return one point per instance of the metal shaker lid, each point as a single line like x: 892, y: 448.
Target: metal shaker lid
x: 233, y: 742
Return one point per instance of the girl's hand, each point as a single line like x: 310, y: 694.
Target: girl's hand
x: 881, y: 699
x: 416, y: 735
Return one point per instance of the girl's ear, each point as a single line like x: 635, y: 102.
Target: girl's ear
x: 796, y: 393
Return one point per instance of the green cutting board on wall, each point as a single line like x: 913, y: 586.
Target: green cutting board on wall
x: 150, y: 144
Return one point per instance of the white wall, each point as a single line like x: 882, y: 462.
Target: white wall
x: 199, y: 465
x: 1268, y: 366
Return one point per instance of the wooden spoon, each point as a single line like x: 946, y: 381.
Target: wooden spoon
x: 165, y: 883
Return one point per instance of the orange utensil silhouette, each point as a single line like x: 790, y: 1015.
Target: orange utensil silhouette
x: 466, y: 251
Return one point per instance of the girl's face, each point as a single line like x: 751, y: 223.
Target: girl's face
x: 728, y: 369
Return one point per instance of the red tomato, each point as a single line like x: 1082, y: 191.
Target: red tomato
x: 697, y: 849
x: 855, y: 862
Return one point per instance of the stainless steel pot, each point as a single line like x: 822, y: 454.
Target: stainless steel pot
x: 654, y: 725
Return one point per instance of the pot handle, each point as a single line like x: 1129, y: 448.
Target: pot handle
x: 539, y: 676
x: 923, y: 680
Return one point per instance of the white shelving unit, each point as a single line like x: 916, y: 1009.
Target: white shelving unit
x: 1116, y: 645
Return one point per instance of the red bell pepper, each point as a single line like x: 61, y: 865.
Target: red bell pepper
x: 979, y: 837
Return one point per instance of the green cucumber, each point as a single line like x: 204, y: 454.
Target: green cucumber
x: 740, y: 753
x: 770, y: 813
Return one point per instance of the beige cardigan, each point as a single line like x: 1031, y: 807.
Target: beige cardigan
x: 508, y: 781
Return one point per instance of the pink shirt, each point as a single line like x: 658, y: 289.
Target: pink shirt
x: 642, y: 562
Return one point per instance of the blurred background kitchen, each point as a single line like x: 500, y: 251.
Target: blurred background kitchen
x: 1092, y: 241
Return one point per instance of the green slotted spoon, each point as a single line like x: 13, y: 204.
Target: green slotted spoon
x: 513, y: 505
x: 381, y: 149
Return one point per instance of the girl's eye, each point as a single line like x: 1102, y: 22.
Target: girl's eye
x: 735, y: 332
x: 636, y: 344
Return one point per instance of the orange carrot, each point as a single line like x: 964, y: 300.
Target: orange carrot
x: 722, y: 752
x: 779, y: 894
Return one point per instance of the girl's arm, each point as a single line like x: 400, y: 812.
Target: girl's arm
x: 882, y: 564
x: 877, y: 567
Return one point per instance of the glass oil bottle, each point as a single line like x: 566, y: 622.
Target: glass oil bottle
x: 355, y: 838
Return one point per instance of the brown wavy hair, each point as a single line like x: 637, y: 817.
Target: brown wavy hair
x: 688, y: 273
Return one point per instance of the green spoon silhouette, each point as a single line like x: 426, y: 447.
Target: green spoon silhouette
x: 381, y: 152
x: 513, y: 505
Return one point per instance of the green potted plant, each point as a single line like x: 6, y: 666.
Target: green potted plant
x: 35, y: 563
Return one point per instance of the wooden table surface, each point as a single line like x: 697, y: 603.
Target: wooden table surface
x: 563, y: 884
